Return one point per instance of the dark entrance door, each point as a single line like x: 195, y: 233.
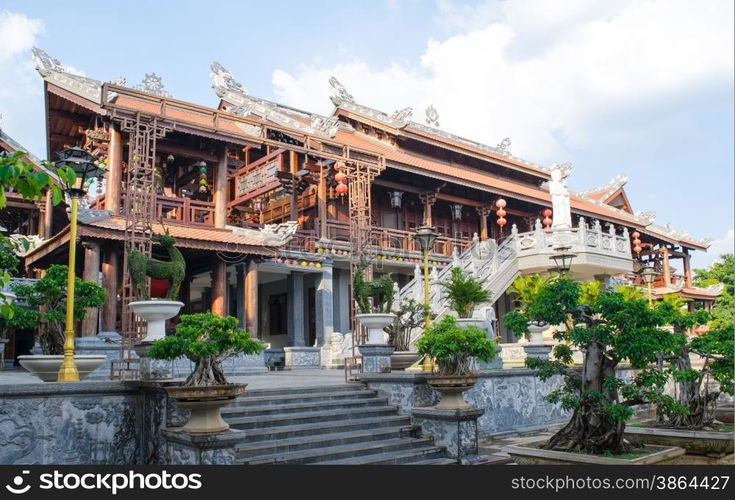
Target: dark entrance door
x: 312, y: 316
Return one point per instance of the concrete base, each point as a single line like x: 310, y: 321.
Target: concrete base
x: 495, y: 364
x: 153, y: 370
x: 107, y: 343
x: 301, y: 357
x: 538, y: 351
x: 454, y: 429
x: 183, y: 448
x: 531, y: 454
x: 375, y: 357
x: 709, y: 443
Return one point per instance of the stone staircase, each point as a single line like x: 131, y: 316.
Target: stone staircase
x: 330, y: 425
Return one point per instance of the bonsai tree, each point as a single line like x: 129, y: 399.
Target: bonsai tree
x: 411, y: 315
x: 693, y: 404
x: 48, y: 295
x: 453, y: 347
x: 608, y: 328
x: 374, y: 296
x: 207, y: 340
x: 464, y: 293
x: 525, y: 289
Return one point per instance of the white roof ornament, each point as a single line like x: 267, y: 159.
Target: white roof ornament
x: 432, y: 116
x: 327, y: 126
x: 120, y: 81
x: 504, y: 146
x: 402, y: 115
x: 647, y: 217
x: 224, y: 80
x: 338, y: 93
x: 152, y: 84
x: 56, y: 73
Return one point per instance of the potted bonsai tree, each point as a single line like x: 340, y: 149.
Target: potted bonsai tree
x: 410, y: 318
x: 464, y: 293
x: 608, y: 327
x: 453, y: 349
x: 374, y: 300
x: 525, y: 289
x: 207, y: 340
x: 48, y: 297
x: 688, y: 418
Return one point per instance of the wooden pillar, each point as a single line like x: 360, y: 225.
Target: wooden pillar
x: 219, y: 286
x: 240, y: 294
x: 483, y: 212
x: 686, y: 260
x: 666, y: 268
x: 251, y: 298
x: 428, y: 199
x: 91, y: 273
x: 294, y: 167
x: 110, y: 272
x: 114, y: 171
x: 220, y: 190
x: 321, y: 196
x: 48, y: 216
x: 185, y: 294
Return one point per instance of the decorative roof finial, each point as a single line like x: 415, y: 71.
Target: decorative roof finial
x: 432, y: 116
x: 504, y: 146
x: 223, y: 80
x: 402, y: 115
x: 152, y: 84
x: 45, y: 64
x: 338, y: 93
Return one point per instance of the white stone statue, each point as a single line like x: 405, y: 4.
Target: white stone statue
x: 562, y: 216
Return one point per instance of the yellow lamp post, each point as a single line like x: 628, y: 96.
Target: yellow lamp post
x: 648, y: 274
x: 425, y: 238
x: 80, y: 167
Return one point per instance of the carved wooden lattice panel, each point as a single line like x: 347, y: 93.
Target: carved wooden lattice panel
x: 139, y: 213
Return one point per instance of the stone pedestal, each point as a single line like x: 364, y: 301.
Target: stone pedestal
x: 537, y: 351
x: 375, y: 357
x: 153, y: 369
x: 107, y: 343
x: 454, y: 429
x: 183, y: 448
x: 495, y: 364
x: 301, y: 357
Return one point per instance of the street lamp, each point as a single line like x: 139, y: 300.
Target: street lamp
x: 563, y: 259
x: 425, y: 238
x: 648, y: 273
x: 84, y: 168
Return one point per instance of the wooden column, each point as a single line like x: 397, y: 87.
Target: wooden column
x: 220, y: 190
x: 294, y: 167
x: 483, y: 212
x: 219, y: 286
x: 91, y: 273
x: 666, y: 268
x: 251, y: 298
x: 114, y: 171
x: 686, y: 260
x: 110, y: 272
x: 321, y: 197
x: 48, y: 216
x: 428, y: 199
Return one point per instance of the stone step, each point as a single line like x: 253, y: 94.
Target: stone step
x: 300, y: 398
x: 309, y: 417
x: 434, y: 461
x: 284, y: 409
x: 341, y: 452
x: 301, y: 390
x: 314, y: 429
x: 407, y: 457
x: 289, y: 445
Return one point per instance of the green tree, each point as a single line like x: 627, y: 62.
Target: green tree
x: 48, y: 296
x: 464, y: 292
x: 207, y: 340
x: 608, y: 327
x: 453, y: 347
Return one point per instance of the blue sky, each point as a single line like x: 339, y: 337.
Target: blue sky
x: 614, y: 86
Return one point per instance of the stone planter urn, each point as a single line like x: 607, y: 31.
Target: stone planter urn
x: 725, y: 413
x: 155, y: 313
x: 400, y: 360
x: 536, y: 333
x: 7, y: 298
x: 451, y: 389
x: 375, y: 323
x: 205, y: 403
x: 46, y: 367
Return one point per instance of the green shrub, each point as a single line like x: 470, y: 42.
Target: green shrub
x: 453, y: 347
x: 464, y: 293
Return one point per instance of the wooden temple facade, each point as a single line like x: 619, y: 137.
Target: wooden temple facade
x: 271, y: 205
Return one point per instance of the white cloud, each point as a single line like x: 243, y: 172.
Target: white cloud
x: 723, y: 245
x: 544, y: 73
x: 21, y: 97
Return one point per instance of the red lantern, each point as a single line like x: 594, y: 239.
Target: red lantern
x: 501, y: 203
x: 340, y: 177
x: 500, y: 212
x: 341, y: 189
x: 547, y: 213
x: 636, y: 235
x: 502, y: 222
x: 637, y: 249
